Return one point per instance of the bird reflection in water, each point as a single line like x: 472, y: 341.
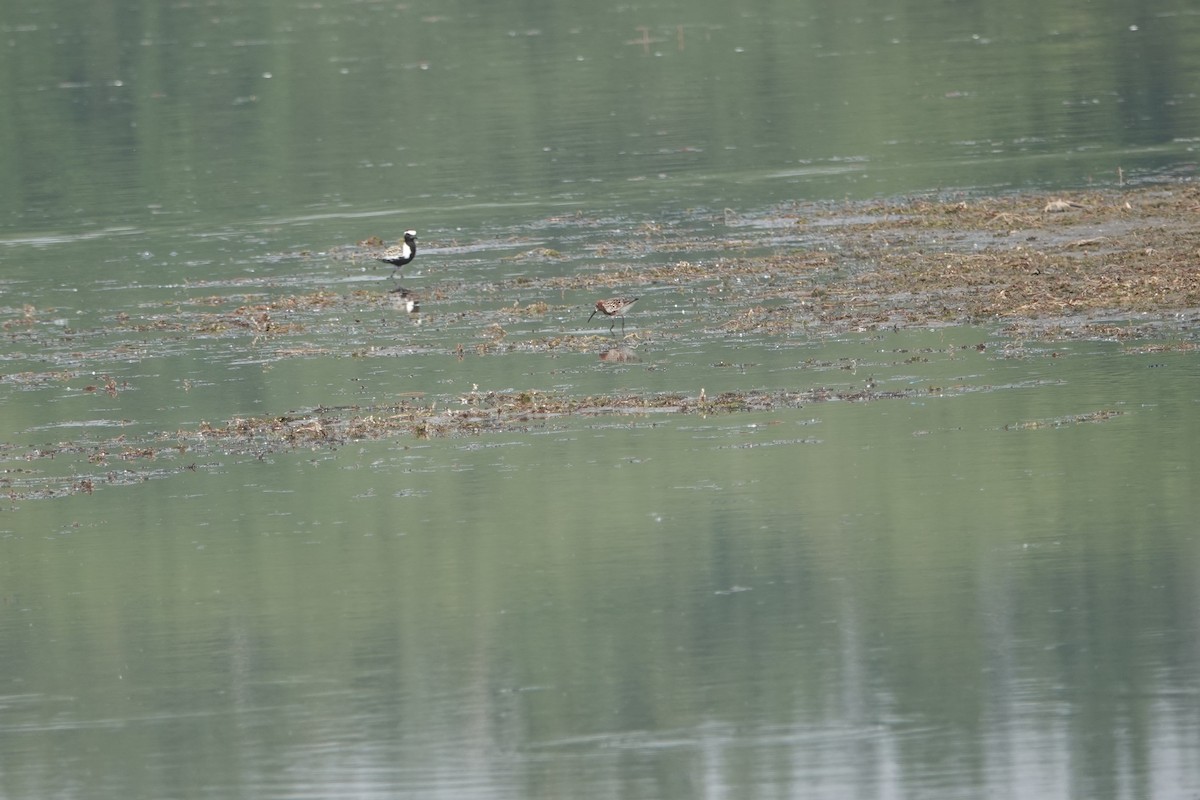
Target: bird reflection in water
x: 404, y: 300
x: 619, y: 355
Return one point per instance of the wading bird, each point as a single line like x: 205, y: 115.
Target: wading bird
x: 401, y: 254
x: 614, y: 307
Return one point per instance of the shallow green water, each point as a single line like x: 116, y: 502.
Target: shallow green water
x: 983, y: 583
x: 649, y: 606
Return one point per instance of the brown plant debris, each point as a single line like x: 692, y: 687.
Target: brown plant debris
x: 474, y: 413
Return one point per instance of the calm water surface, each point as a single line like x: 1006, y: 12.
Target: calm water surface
x: 987, y: 585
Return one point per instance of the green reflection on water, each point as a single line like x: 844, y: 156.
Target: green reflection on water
x: 131, y: 111
x: 644, y: 595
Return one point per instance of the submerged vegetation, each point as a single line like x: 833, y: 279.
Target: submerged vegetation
x: 1117, y: 265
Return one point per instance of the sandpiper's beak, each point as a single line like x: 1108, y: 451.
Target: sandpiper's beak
x: 593, y: 314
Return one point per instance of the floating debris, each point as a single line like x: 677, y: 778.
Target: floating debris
x: 1124, y: 271
x: 472, y: 414
x: 1059, y: 206
x: 1103, y: 415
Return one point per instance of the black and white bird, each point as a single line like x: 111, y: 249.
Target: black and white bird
x: 401, y: 254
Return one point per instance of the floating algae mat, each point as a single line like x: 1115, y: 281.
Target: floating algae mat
x: 799, y: 305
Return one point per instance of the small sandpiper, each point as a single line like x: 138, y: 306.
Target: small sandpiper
x: 401, y: 254
x: 614, y: 307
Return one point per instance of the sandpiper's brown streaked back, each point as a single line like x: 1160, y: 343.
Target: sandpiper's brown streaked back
x: 614, y: 307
